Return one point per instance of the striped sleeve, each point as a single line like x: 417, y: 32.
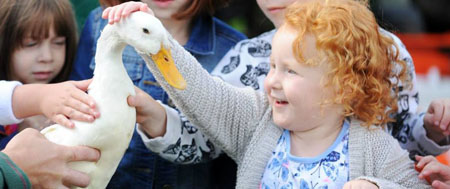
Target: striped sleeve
x: 12, y: 176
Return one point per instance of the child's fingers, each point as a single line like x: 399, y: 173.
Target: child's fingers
x: 424, y: 160
x: 431, y: 168
x: 105, y: 13
x: 81, y: 107
x: 418, y: 158
x: 445, y: 121
x: 132, y: 7
x: 111, y: 16
x: 132, y: 101
x: 437, y: 110
x: 84, y: 98
x: 118, y: 13
x: 62, y: 120
x: 77, y: 115
x: 436, y: 184
x: 83, y: 84
x: 145, y: 8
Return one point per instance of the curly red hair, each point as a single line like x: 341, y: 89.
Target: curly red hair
x: 364, y: 63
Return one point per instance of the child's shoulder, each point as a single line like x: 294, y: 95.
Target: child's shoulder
x: 264, y: 38
x: 375, y: 137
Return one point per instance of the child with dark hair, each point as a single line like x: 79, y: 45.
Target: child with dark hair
x: 37, y: 45
x: 29, y: 159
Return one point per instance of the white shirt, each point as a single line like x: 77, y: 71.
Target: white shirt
x: 6, y: 113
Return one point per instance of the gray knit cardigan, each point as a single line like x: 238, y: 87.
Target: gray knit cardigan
x: 239, y: 120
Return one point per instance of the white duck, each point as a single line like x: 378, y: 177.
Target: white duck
x: 111, y: 133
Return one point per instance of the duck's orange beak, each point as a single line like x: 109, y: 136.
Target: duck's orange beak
x: 166, y: 66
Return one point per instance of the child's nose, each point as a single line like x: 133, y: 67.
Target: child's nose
x: 273, y: 80
x: 45, y: 55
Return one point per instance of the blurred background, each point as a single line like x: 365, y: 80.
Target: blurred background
x: 422, y: 25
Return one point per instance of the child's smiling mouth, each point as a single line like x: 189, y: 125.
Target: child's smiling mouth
x: 275, y: 9
x: 281, y: 102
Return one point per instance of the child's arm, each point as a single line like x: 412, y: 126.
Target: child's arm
x: 6, y: 91
x: 162, y: 128
x: 409, y: 128
x: 385, y: 163
x: 438, y: 173
x: 58, y: 102
x: 150, y: 115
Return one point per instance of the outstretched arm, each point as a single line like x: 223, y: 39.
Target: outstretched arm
x: 58, y: 102
x: 413, y: 132
x: 165, y: 131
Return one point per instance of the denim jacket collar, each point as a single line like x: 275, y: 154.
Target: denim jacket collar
x: 202, y: 39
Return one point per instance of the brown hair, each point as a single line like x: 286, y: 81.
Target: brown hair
x: 19, y: 18
x: 193, y: 9
x: 362, y: 60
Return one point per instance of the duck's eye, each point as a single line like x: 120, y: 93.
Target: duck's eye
x: 145, y: 30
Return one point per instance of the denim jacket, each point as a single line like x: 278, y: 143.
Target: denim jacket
x: 210, y: 39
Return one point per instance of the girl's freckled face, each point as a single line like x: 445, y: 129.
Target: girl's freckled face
x: 295, y: 90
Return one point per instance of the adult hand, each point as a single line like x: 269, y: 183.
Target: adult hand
x: 150, y: 115
x: 46, y: 163
x: 437, y: 119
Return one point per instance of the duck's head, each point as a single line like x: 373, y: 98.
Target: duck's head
x: 149, y: 37
x: 144, y: 32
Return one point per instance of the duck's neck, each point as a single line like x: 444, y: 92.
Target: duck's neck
x: 108, y: 57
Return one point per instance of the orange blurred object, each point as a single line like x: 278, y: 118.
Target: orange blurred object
x: 444, y: 158
x: 427, y: 50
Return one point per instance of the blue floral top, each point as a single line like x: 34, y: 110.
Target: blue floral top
x: 327, y: 170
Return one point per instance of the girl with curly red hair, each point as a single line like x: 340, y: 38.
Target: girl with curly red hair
x: 319, y: 122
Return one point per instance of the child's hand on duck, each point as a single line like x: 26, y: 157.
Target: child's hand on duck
x: 150, y: 114
x: 363, y: 184
x: 437, y: 119
x: 115, y: 13
x: 66, y: 100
